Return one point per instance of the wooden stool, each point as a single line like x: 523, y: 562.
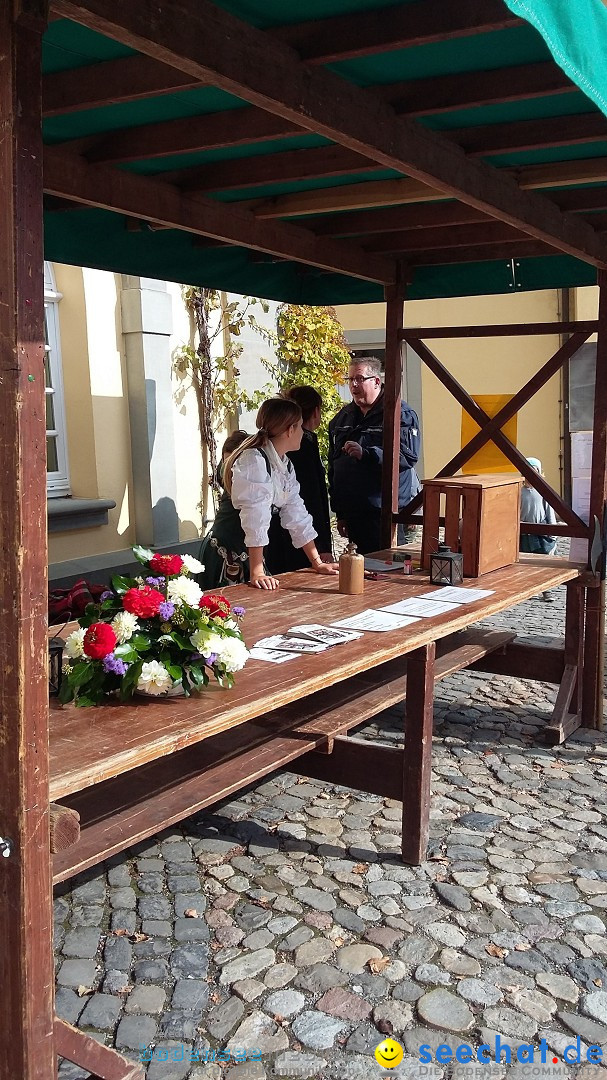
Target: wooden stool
x: 482, y: 515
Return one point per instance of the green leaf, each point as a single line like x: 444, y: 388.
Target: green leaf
x: 197, y: 677
x: 130, y: 680
x: 126, y: 651
x: 88, y: 699
x: 141, y: 642
x: 66, y: 692
x: 121, y: 584
x: 81, y: 673
x: 143, y: 555
x: 174, y: 670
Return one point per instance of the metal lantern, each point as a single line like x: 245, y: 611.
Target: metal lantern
x: 55, y: 659
x: 446, y: 566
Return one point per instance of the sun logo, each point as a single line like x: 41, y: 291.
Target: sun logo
x: 389, y: 1053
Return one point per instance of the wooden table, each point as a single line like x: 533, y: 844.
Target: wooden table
x: 133, y: 769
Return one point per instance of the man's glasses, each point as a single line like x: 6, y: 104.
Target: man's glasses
x: 356, y: 380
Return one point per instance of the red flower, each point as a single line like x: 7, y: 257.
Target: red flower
x: 143, y: 601
x: 216, y: 606
x: 99, y: 640
x: 166, y: 564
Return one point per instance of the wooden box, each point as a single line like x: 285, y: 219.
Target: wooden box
x: 482, y: 515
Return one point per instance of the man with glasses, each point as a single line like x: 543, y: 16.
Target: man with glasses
x: 356, y: 437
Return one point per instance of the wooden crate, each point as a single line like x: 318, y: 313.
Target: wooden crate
x: 482, y: 516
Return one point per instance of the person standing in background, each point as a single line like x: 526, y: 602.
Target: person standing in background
x: 536, y: 510
x: 356, y: 439
x: 311, y: 478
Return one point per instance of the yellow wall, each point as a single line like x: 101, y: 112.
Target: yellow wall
x: 97, y: 414
x: 482, y: 366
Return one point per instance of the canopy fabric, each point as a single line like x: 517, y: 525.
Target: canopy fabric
x: 142, y: 153
x: 576, y: 34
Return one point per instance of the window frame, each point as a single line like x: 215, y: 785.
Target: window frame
x: 58, y: 480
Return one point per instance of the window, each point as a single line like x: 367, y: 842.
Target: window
x: 57, y: 477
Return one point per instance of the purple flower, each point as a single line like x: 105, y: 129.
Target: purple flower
x: 113, y: 665
x: 238, y: 611
x: 166, y: 610
x: 107, y: 595
x: 196, y: 656
x: 211, y: 658
x: 155, y: 582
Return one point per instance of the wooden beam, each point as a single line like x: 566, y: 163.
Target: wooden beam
x: 111, y: 82
x: 382, y: 193
x: 344, y: 37
x: 546, y: 329
x: 451, y: 236
x: 470, y: 89
x: 395, y: 298
x: 506, y: 250
x: 64, y: 827
x: 271, y: 169
x: 83, y: 1049
x: 417, y: 761
x: 482, y: 419
x: 531, y: 134
x: 26, y: 930
x: 363, y: 196
x: 235, y: 127
x: 70, y: 177
x: 391, y: 218
x: 580, y: 199
x: 210, y: 43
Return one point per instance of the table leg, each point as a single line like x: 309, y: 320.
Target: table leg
x: 417, y: 760
x: 567, y: 712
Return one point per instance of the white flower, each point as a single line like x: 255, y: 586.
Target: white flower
x: 192, y: 564
x: 233, y: 654
x: 154, y: 678
x: 124, y: 625
x: 183, y: 590
x: 74, y: 643
x: 230, y: 624
x: 206, y: 643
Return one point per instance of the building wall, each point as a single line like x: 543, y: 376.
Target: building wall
x: 482, y: 366
x: 132, y: 428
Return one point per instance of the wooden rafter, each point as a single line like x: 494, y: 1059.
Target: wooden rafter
x: 451, y: 236
x: 70, y: 176
x: 185, y: 136
x: 470, y: 89
x: 271, y: 168
x: 506, y: 250
x: 532, y: 134
x: 210, y: 43
x: 391, y: 218
x: 110, y: 82
x: 344, y: 37
x: 383, y: 193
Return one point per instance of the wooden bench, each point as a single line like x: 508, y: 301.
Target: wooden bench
x: 120, y: 812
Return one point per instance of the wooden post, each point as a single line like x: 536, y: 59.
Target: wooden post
x: 594, y: 638
x: 26, y: 956
x: 395, y: 297
x: 417, y: 764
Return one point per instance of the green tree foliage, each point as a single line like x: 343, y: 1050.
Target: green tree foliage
x: 311, y: 351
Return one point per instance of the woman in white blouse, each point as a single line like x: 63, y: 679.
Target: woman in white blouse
x: 261, y: 481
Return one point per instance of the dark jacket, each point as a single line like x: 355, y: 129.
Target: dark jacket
x: 313, y: 487
x: 353, y: 484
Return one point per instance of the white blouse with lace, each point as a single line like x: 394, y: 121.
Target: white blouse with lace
x: 254, y: 493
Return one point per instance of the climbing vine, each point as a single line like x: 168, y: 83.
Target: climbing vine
x: 209, y: 366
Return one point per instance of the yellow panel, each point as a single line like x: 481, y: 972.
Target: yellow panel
x: 489, y: 459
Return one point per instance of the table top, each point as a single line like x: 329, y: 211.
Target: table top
x: 93, y: 744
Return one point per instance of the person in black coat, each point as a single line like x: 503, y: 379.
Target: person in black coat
x: 312, y: 485
x: 356, y: 438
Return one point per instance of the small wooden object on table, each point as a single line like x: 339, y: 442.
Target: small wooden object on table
x: 481, y: 520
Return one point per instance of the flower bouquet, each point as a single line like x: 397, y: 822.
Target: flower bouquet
x: 153, y: 634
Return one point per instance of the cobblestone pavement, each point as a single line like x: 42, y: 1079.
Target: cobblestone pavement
x: 284, y: 919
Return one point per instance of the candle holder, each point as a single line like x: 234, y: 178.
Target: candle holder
x: 55, y: 660
x: 446, y: 566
